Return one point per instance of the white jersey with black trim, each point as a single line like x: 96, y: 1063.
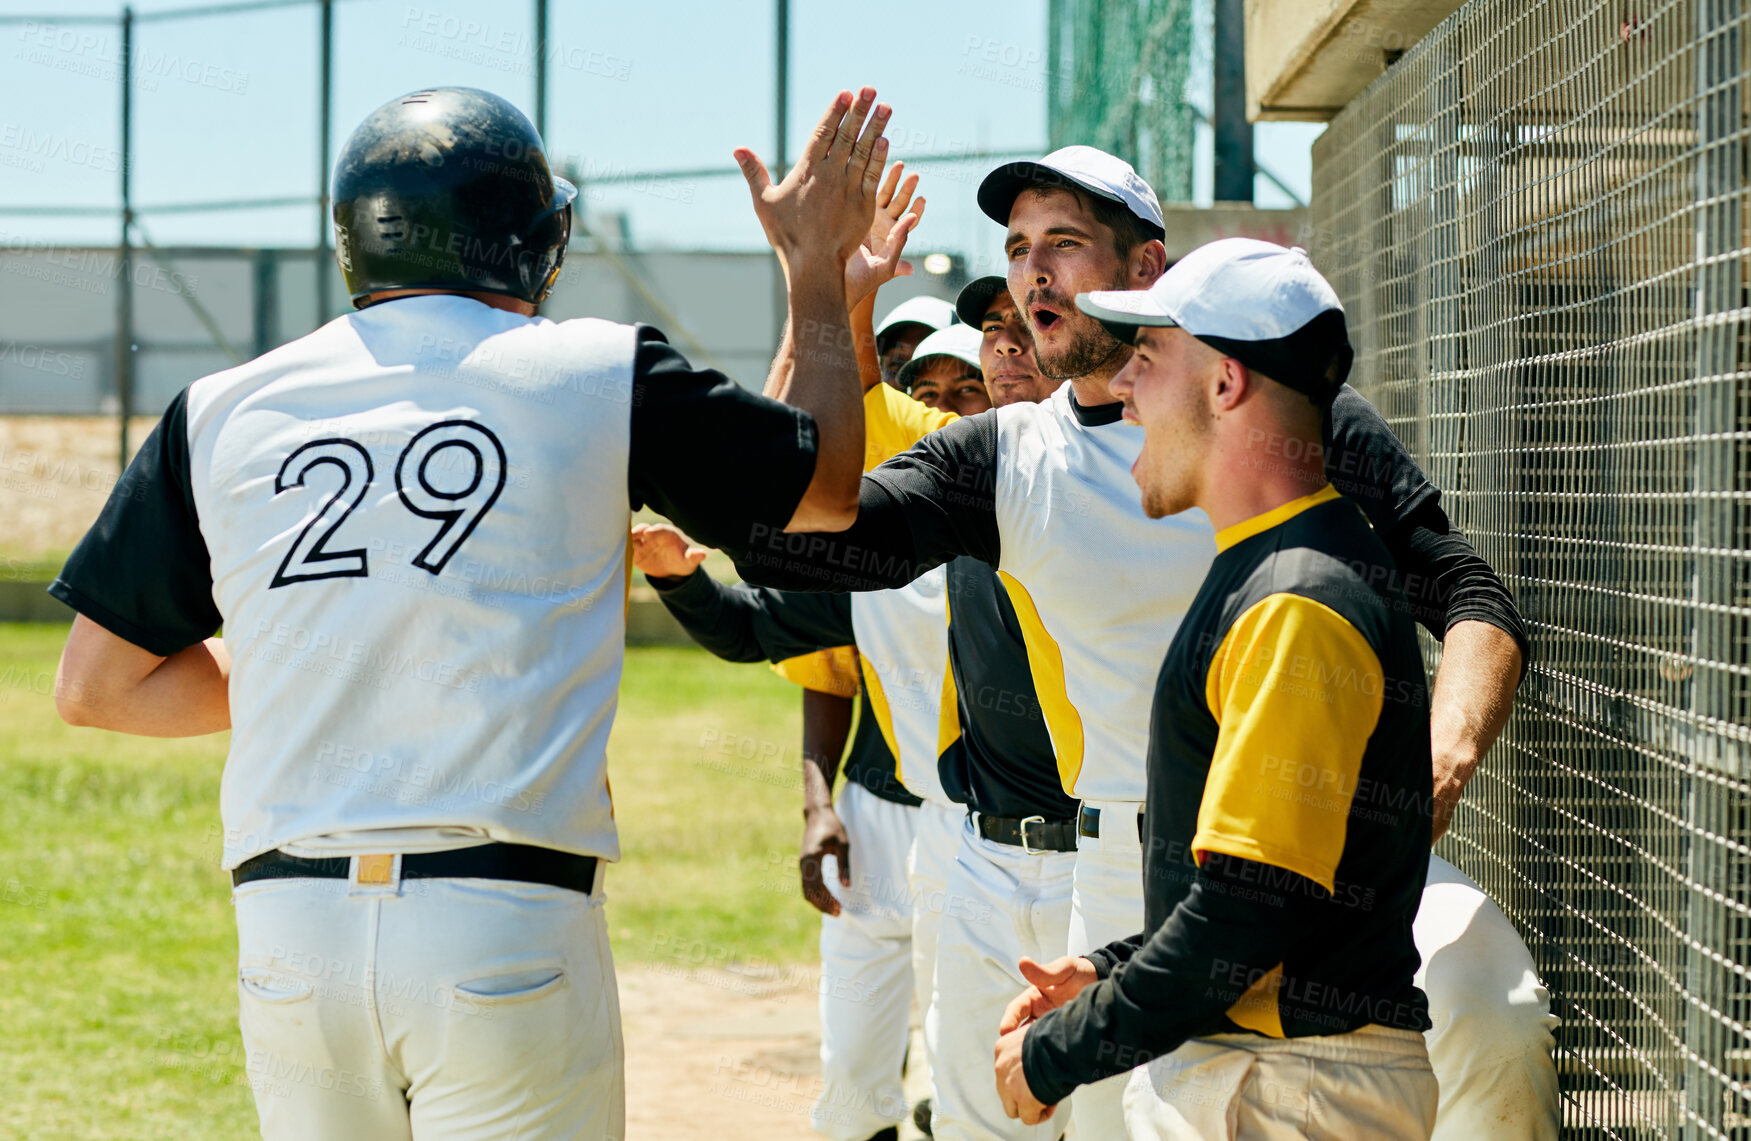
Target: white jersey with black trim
x: 412, y: 524
x: 1099, y: 587
x: 902, y: 644
x: 424, y: 598
x: 1043, y: 493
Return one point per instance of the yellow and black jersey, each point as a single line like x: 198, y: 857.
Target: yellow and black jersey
x: 1287, y: 820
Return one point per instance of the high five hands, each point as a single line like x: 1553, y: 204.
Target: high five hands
x: 833, y: 202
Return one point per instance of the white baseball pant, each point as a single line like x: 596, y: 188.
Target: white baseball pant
x: 866, y: 972
x: 1009, y: 904
x: 431, y: 1010
x: 1492, y: 1038
x: 1371, y: 1083
x: 932, y: 859
x: 1106, y: 903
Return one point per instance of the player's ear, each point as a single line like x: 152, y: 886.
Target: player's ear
x: 1229, y: 384
x: 1148, y: 262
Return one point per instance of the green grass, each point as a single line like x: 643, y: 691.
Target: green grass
x: 117, y: 950
x: 30, y: 568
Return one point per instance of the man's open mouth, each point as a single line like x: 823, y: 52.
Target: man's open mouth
x: 1044, y: 318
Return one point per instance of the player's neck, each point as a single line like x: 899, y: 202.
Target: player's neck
x: 1094, y: 389
x: 493, y: 300
x: 1247, y: 478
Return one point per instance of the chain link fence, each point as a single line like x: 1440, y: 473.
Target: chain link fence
x: 1117, y: 81
x: 1537, y: 219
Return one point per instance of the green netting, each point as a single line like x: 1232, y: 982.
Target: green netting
x: 1118, y: 82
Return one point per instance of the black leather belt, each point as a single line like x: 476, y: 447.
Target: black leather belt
x: 1030, y: 833
x: 519, y: 862
x: 1088, y: 822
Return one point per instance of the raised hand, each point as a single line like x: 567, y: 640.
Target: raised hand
x: 877, y: 261
x: 823, y: 207
x: 662, y: 551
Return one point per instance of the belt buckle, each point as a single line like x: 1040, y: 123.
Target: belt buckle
x: 379, y: 869
x: 1025, y: 847
x: 1088, y: 822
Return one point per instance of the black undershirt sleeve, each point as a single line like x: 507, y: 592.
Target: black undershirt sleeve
x: 1173, y: 985
x: 1445, y: 581
x: 922, y: 508
x: 753, y: 624
x: 1369, y: 464
x: 1443, y: 578
x: 709, y: 454
x: 143, y: 571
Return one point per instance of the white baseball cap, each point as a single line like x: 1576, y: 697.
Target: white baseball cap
x: 1258, y: 302
x: 1089, y: 168
x: 958, y: 341
x: 931, y: 312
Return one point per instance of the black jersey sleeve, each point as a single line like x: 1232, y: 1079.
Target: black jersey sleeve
x: 754, y: 624
x: 1156, y: 992
x: 922, y: 508
x: 1368, y: 463
x: 708, y: 453
x: 143, y: 572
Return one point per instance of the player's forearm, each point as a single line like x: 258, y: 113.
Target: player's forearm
x: 712, y: 616
x: 1474, y: 695
x: 1213, y: 946
x: 817, y: 372
x: 106, y: 683
x: 863, y: 340
x: 826, y: 728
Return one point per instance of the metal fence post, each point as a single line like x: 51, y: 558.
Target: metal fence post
x: 124, y: 346
x: 324, y: 258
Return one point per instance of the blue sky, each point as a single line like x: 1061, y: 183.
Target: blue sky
x: 226, y: 107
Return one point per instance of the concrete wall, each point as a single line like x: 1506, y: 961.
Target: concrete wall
x: 1305, y: 59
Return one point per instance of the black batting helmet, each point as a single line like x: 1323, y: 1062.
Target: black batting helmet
x: 449, y: 188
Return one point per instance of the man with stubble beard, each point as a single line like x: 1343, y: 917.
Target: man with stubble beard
x: 1044, y: 494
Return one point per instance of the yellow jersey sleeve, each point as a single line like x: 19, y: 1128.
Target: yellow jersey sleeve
x: 893, y: 422
x: 827, y: 671
x: 1296, y: 691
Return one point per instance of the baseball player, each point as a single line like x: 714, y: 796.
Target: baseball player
x: 1035, y: 490
x: 412, y: 526
x: 907, y: 324
x: 1269, y: 993
x: 996, y: 743
x: 944, y: 372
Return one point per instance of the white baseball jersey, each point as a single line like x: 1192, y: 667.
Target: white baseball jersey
x: 902, y: 643
x: 412, y: 524
x: 1043, y: 492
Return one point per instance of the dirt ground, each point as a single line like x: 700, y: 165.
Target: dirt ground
x: 55, y: 473
x: 718, y: 1056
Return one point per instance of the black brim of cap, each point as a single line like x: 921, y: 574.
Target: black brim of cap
x: 997, y: 194
x: 975, y: 298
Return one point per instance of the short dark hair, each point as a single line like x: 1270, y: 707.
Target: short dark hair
x: 1129, y: 231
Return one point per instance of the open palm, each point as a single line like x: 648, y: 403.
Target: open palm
x: 877, y: 260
